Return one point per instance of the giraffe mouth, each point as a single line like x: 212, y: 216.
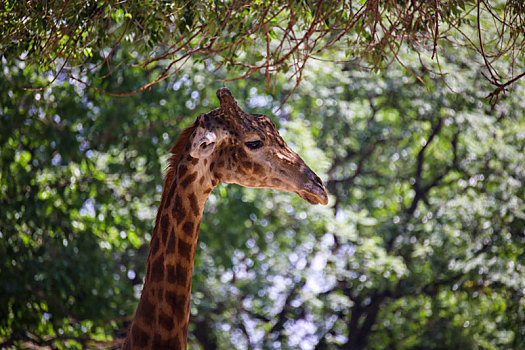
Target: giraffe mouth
x: 315, y: 194
x: 312, y: 189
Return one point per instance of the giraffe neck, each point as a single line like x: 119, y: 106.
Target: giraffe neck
x: 162, y: 316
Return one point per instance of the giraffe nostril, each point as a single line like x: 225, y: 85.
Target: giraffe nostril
x: 312, y: 176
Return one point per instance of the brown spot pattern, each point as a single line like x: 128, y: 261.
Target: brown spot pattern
x: 258, y: 169
x: 181, y: 275
x: 166, y: 321
x: 157, y: 342
x: 164, y: 237
x: 182, y: 170
x: 193, y: 204
x: 184, y: 249
x: 172, y: 190
x: 154, y: 245
x: 164, y: 225
x: 157, y: 269
x: 178, y: 211
x: 171, y: 343
x: 242, y: 154
x: 140, y: 338
x: 170, y: 271
x: 146, y: 310
x: 188, y: 179
x: 188, y: 228
x: 176, y: 302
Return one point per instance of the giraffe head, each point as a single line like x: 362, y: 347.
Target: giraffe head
x: 246, y: 149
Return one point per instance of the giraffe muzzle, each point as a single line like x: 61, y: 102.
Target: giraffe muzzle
x: 313, y: 190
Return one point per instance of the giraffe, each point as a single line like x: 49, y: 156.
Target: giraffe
x: 225, y: 145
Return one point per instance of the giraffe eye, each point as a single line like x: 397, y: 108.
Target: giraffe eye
x: 254, y: 144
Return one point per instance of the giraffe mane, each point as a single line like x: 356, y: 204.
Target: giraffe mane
x: 176, y: 152
x: 177, y: 149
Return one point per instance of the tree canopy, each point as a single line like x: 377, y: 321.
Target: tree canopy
x: 259, y: 36
x: 422, y: 245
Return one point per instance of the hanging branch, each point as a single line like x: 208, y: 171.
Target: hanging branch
x: 251, y: 37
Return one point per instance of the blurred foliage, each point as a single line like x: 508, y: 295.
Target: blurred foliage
x: 421, y: 247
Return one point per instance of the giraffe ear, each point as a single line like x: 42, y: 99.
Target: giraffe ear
x: 204, y: 145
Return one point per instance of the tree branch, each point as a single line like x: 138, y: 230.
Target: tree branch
x: 419, y: 190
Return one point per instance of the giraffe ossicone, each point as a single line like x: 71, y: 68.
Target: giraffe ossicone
x: 225, y: 145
